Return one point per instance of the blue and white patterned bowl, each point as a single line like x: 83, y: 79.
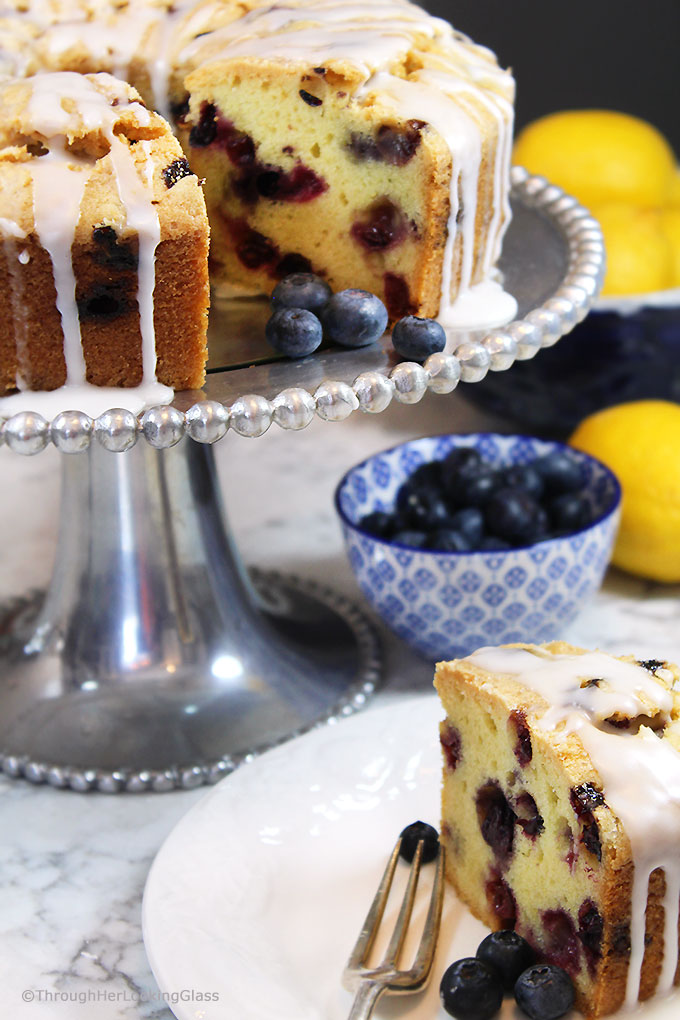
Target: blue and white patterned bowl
x: 446, y: 604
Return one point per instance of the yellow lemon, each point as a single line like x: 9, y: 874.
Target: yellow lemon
x: 670, y: 223
x: 640, y: 442
x: 674, y: 197
x: 639, y: 251
x: 599, y: 156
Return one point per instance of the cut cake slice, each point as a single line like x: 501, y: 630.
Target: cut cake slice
x: 561, y: 810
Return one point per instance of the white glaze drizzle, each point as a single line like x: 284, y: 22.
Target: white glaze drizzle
x: 58, y: 188
x: 91, y: 400
x: 640, y: 772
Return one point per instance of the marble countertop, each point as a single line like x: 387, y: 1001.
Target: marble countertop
x: 74, y: 866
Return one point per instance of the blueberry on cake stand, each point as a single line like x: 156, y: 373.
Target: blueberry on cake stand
x: 154, y: 660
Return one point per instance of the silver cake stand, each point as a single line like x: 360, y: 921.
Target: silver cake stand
x: 154, y: 660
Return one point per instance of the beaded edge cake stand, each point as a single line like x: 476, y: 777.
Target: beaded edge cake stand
x: 155, y: 661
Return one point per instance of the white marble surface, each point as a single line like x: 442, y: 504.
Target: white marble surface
x: 73, y: 866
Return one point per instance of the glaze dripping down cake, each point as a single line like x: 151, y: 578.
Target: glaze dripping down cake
x: 561, y: 810
x: 104, y: 277
x: 369, y: 143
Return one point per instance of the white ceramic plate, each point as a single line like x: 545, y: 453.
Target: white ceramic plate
x: 258, y: 895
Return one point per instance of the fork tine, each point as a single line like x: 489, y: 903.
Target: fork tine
x: 424, y: 959
x: 375, y: 914
x: 401, y: 927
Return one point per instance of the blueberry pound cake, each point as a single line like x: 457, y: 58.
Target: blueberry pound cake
x: 103, y: 265
x: 561, y: 810
x: 369, y: 143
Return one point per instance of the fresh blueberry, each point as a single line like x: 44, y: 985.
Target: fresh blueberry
x: 524, y: 476
x: 468, y: 480
x: 470, y: 990
x: 508, y: 954
x: 412, y: 835
x: 512, y: 514
x: 414, y: 539
x: 490, y: 543
x: 354, y: 318
x: 469, y: 521
x: 416, y: 339
x: 461, y: 462
x: 569, y: 512
x: 448, y: 540
x: 471, y: 490
x: 378, y: 523
x: 541, y: 524
x: 427, y: 476
x: 559, y: 471
x: 301, y: 290
x: 422, y: 508
x: 544, y: 992
x: 294, y: 332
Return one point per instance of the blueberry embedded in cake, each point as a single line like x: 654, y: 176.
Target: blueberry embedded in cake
x: 560, y: 810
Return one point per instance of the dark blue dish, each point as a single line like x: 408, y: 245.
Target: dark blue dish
x: 620, y: 352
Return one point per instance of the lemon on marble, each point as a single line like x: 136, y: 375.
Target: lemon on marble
x: 640, y: 442
x: 600, y: 156
x: 639, y: 250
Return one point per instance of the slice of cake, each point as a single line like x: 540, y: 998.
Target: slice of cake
x: 104, y: 259
x: 561, y: 810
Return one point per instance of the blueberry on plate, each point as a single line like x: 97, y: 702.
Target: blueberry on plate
x: 301, y: 290
x: 470, y: 990
x: 294, y: 332
x: 416, y: 339
x: 412, y: 835
x: 354, y: 318
x: 508, y: 953
x: 559, y: 471
x: 544, y: 992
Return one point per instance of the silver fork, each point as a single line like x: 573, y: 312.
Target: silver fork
x: 368, y: 984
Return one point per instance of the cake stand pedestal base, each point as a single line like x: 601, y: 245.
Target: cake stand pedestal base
x: 154, y: 660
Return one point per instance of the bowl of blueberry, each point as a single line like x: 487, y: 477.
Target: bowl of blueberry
x: 460, y: 541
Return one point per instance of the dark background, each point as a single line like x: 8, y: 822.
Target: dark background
x: 612, y: 54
